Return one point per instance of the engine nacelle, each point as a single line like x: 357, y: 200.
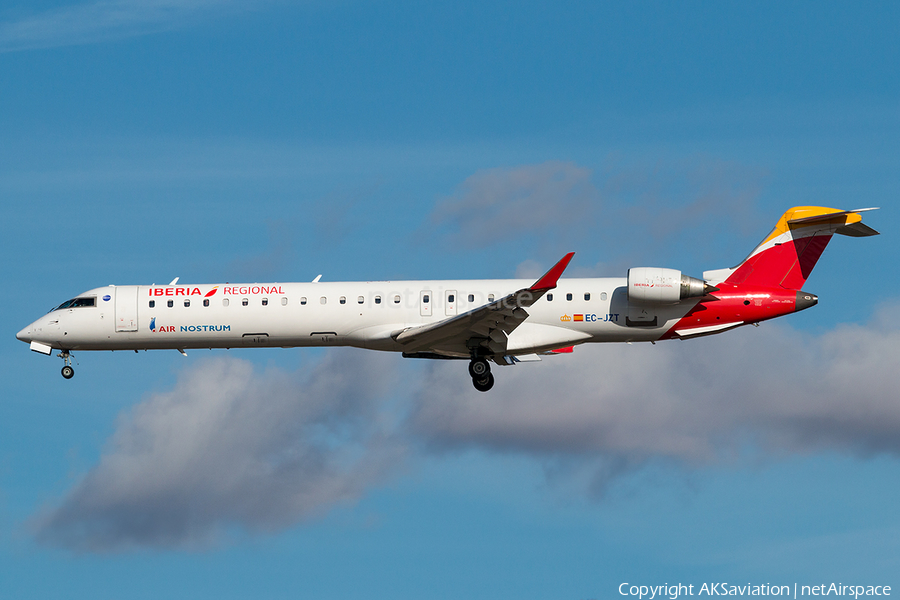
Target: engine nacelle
x: 653, y: 285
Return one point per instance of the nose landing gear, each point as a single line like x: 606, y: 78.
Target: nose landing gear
x: 67, y: 371
x: 480, y: 371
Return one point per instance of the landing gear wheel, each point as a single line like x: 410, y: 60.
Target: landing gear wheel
x: 478, y: 368
x: 483, y: 385
x: 67, y: 371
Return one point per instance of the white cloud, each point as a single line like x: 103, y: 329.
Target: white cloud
x: 498, y: 204
x: 232, y: 447
x: 695, y: 403
x: 102, y: 21
x: 698, y: 205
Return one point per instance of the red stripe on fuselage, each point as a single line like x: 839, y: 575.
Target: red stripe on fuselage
x: 733, y: 304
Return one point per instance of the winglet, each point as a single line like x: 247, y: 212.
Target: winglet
x: 548, y: 281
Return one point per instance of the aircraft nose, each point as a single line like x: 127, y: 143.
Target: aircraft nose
x: 25, y: 334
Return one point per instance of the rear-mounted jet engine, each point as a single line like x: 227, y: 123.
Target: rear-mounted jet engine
x: 654, y: 285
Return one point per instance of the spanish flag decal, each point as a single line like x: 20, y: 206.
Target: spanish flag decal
x: 579, y: 318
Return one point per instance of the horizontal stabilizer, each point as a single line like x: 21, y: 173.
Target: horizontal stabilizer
x: 826, y: 216
x: 856, y: 230
x: 847, y: 222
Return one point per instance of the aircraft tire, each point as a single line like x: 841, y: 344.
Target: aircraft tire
x: 483, y: 385
x: 68, y: 372
x: 478, y: 368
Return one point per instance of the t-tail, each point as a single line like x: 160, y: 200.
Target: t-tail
x: 787, y: 256
x: 768, y: 283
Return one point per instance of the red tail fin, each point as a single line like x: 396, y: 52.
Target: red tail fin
x: 787, y: 256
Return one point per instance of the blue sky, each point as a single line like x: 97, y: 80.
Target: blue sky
x: 218, y: 140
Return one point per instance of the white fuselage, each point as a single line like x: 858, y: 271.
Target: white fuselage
x: 361, y: 314
x: 501, y: 321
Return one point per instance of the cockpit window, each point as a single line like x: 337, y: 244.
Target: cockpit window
x: 77, y: 303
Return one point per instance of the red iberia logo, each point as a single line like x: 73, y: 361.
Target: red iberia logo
x: 195, y: 291
x: 173, y: 291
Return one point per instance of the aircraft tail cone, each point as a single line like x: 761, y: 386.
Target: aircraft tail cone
x: 805, y: 300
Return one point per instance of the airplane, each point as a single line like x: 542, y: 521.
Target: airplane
x: 504, y: 322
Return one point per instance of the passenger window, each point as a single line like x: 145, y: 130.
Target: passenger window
x: 587, y: 295
x: 245, y: 302
x: 377, y: 299
x: 569, y: 297
x: 323, y: 300
x: 152, y: 303
x: 265, y: 301
x: 549, y: 297
x: 397, y: 299
x: 170, y: 303
x: 284, y: 301
x: 471, y: 297
x: 224, y: 301
x: 187, y: 303
x: 360, y: 299
x: 206, y: 302
x: 426, y: 299
x: 303, y: 301
x: 603, y: 295
x: 490, y: 297
x: 451, y: 298
x: 343, y: 300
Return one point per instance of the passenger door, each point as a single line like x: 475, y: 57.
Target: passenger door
x: 126, y: 308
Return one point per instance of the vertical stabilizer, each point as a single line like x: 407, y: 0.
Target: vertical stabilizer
x: 787, y: 256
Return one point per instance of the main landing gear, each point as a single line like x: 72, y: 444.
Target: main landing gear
x: 480, y: 371
x: 67, y: 371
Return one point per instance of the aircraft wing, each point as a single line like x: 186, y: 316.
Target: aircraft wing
x: 486, y: 326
